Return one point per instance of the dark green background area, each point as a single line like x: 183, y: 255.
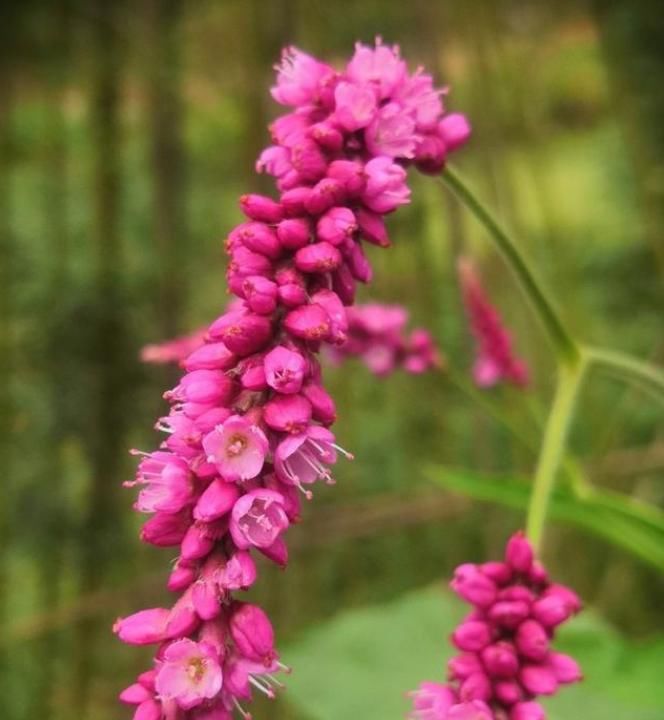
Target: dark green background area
x: 127, y: 132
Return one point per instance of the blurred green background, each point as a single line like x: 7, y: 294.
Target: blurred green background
x: 127, y: 132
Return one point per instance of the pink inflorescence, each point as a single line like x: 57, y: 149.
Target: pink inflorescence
x: 495, y: 360
x: 377, y: 335
x: 506, y: 659
x: 248, y: 430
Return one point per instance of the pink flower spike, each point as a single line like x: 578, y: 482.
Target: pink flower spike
x: 495, y: 360
x: 257, y: 519
x: 237, y: 449
x: 189, y: 673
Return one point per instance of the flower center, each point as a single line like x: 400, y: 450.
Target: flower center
x: 236, y: 445
x: 196, y: 669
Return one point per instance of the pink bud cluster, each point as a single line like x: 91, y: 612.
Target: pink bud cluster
x: 495, y: 359
x: 248, y: 429
x: 377, y: 335
x: 506, y: 659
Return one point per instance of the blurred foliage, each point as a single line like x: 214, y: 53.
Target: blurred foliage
x: 127, y: 132
x: 359, y: 663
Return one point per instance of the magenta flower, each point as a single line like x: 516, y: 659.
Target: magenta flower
x: 258, y: 518
x: 248, y: 429
x: 237, y: 448
x: 495, y: 360
x: 505, y: 659
x: 188, y: 673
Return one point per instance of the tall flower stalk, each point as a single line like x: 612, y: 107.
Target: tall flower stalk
x: 248, y: 432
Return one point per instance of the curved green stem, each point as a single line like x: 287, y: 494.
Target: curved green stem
x: 563, y: 342
x: 553, y: 447
x: 648, y: 377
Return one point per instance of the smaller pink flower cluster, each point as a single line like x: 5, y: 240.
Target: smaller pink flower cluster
x: 505, y: 659
x: 377, y: 335
x: 495, y: 359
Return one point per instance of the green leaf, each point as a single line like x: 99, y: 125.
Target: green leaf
x: 361, y: 663
x: 617, y: 519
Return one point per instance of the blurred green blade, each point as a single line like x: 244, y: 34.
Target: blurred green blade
x: 609, y: 516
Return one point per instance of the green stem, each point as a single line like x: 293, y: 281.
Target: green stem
x: 553, y: 447
x: 648, y: 377
x: 563, y: 342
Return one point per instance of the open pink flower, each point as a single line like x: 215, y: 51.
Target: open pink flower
x: 237, y: 448
x: 189, y: 673
x: 258, y: 518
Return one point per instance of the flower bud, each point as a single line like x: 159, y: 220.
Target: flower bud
x: 532, y: 640
x: 475, y: 687
x: 308, y: 322
x: 325, y: 194
x: 527, y: 711
x: 565, y: 668
x: 350, y: 174
x: 252, y: 633
x: 257, y: 237
x: 454, y: 129
x: 261, y: 208
x: 288, y: 413
x: 472, y: 636
x: 293, y: 233
x: 217, y: 500
x: 509, y: 613
x: 320, y: 257
x: 538, y: 680
x: 500, y: 660
x: 211, y: 356
x: 473, y: 586
x: 519, y: 553
x: 336, y: 225
x: 144, y: 627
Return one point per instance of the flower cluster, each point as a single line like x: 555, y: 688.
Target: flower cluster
x: 377, y: 335
x: 248, y: 429
x: 495, y: 360
x: 505, y: 659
